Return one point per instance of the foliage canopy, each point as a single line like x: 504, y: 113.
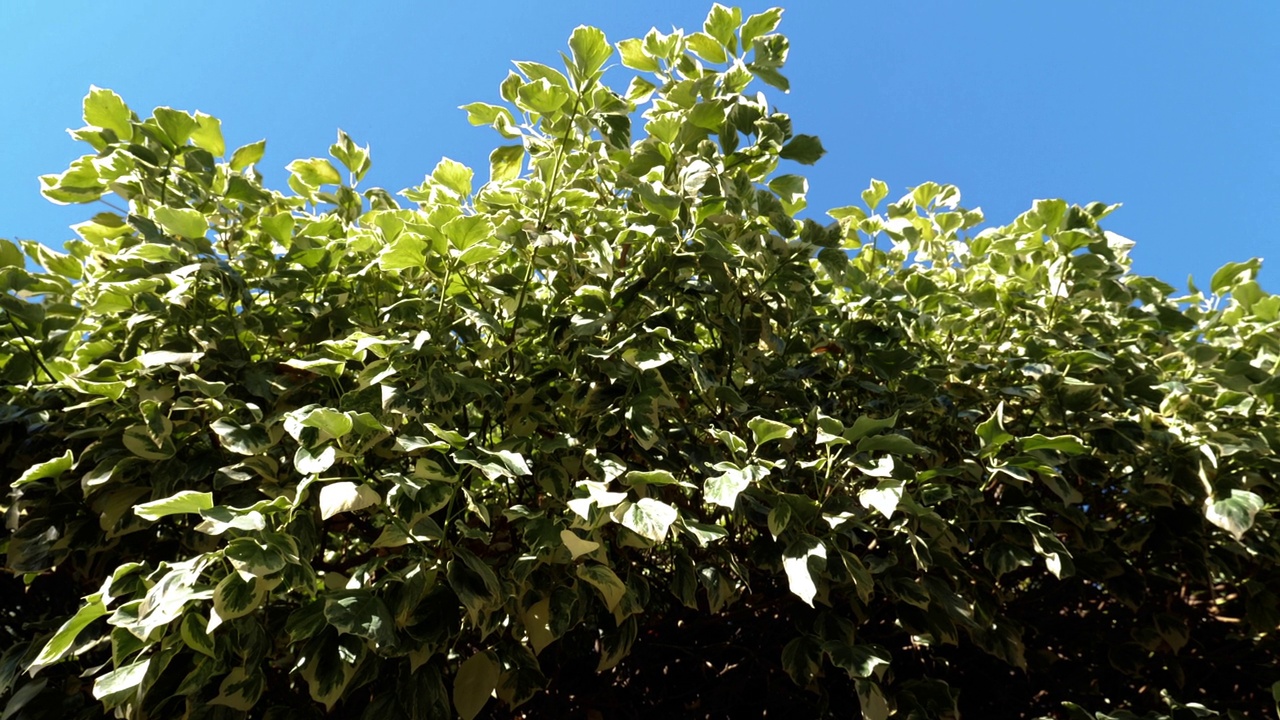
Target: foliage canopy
x: 617, y: 432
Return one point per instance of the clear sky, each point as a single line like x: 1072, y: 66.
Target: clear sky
x: 1172, y: 108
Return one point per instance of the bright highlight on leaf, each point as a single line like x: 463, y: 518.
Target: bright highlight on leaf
x: 340, y: 497
x: 185, y: 501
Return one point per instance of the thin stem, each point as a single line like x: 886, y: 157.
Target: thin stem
x: 27, y: 342
x: 542, y: 215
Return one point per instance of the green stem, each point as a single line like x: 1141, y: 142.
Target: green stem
x: 35, y: 356
x: 542, y: 215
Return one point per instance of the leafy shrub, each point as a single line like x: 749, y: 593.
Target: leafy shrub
x: 617, y: 434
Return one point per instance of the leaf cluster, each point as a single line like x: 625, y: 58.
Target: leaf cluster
x: 619, y: 431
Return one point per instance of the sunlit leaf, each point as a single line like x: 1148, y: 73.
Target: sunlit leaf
x: 804, y: 561
x: 185, y: 501
x: 105, y: 109
x: 344, y: 496
x: 182, y: 222
x: 1236, y: 513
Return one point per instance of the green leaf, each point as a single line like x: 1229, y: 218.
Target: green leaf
x: 764, y: 430
x: 240, y: 689
x: 1227, y: 276
x: 360, y: 612
x: 182, y: 502
x: 47, y: 469
x: 649, y: 518
x: 105, y: 109
x: 804, y: 149
x: 476, y: 680
x: 723, y: 489
x: 992, y: 433
x: 177, y: 125
x: 406, y: 252
x: 64, y: 639
x: 182, y: 222
x: 576, y: 545
x: 707, y: 47
x: 313, y: 461
x: 453, y: 175
x: 802, y: 658
x: 884, y: 497
x: 779, y: 518
x: 279, y: 226
x: 1065, y: 444
x: 649, y: 477
x: 858, y: 660
x: 251, y: 439
x: 635, y: 57
x: 474, y: 583
x: 859, y: 573
x: 590, y: 51
x: 758, y: 25
x: 804, y: 561
x: 207, y: 134
x: 10, y: 255
x: 330, y: 662
x: 657, y: 200
x: 315, y: 172
x: 479, y: 113
x: 247, y: 155
x: 121, y: 680
x: 1235, y: 514
x: 616, y: 645
x: 866, y: 425
x: 344, y: 496
x: 235, y: 597
x: 195, y: 634
x: 722, y: 24
x: 467, y: 230
x: 252, y: 558
x: 541, y: 96
x: 332, y: 422
x: 871, y: 698
x: 891, y: 443
x: 878, y: 191
x: 505, y: 163
x: 703, y: 533
x: 353, y: 157
x: 604, y: 580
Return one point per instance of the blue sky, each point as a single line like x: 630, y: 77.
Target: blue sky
x: 1170, y: 108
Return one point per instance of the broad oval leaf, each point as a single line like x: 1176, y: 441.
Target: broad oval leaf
x: 883, y: 497
x: 250, y: 439
x: 476, y: 680
x: 577, y: 546
x: 604, y: 580
x: 764, y: 430
x: 1234, y: 514
x: 121, y: 680
x: 650, y: 518
x: 185, y: 501
x: 235, y: 597
x: 182, y: 222
x: 345, y: 496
